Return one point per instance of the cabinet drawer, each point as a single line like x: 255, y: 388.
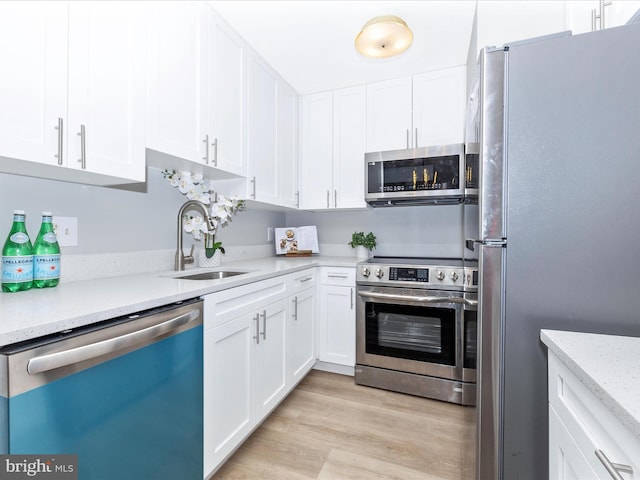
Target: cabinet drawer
x: 591, y: 424
x: 338, y: 276
x: 302, y: 280
x: 223, y: 306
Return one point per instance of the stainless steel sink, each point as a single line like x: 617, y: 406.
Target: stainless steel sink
x: 211, y: 275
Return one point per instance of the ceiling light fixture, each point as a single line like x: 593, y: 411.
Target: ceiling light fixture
x: 383, y: 37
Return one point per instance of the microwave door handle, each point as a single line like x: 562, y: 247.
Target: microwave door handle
x: 416, y: 298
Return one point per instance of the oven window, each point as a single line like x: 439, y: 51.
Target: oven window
x: 416, y: 333
x: 470, y: 338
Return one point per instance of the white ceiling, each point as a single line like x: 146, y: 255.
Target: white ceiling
x: 311, y: 42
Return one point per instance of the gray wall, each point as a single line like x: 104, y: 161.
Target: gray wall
x: 112, y: 220
x: 400, y: 231
x: 117, y: 220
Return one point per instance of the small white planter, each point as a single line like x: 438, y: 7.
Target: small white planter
x: 362, y: 252
x: 205, y: 262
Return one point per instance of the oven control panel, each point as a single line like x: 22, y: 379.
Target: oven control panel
x: 418, y: 276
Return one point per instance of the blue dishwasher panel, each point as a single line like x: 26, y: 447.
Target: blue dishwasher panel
x: 137, y: 416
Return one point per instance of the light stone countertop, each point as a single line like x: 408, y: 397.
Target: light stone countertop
x: 39, y: 312
x: 608, y: 365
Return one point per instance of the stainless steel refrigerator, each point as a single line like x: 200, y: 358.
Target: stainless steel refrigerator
x: 558, y: 121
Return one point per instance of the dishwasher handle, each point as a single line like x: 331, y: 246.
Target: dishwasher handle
x: 72, y: 356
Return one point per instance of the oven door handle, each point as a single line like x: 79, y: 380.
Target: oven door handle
x: 421, y: 299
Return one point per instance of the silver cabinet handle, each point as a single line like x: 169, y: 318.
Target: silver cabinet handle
x: 328, y: 195
x: 614, y: 469
x: 335, y: 198
x: 52, y: 361
x: 83, y: 147
x: 206, y: 149
x: 253, y: 181
x: 408, y: 138
x: 298, y: 199
x: 306, y: 279
x: 334, y: 275
x: 60, y: 138
x: 264, y: 324
x: 295, y: 308
x: 257, y: 335
x: 215, y: 152
x: 351, y: 297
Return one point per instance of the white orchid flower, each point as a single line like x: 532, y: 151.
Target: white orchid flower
x: 197, y: 178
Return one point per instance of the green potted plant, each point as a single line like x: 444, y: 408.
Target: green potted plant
x: 364, y: 244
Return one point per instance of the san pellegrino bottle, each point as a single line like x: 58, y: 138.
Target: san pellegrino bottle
x: 17, y: 257
x: 46, y: 255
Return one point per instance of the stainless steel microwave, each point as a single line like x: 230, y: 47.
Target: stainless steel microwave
x: 418, y: 176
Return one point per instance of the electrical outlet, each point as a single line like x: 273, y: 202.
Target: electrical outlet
x: 66, y: 229
x: 270, y: 234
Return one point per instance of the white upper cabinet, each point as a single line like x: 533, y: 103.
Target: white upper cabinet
x: 288, y: 146
x: 349, y: 145
x: 590, y: 15
x: 72, y: 94
x: 389, y: 112
x: 262, y: 153
x: 333, y: 140
x: 195, y: 89
x: 439, y: 107
x: 177, y: 80
x: 316, y: 150
x: 418, y: 111
x: 227, y: 71
x: 33, y: 79
x: 107, y: 108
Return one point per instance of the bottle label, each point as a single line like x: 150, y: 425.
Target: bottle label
x: 19, y: 237
x: 46, y: 267
x: 17, y: 269
x: 50, y: 237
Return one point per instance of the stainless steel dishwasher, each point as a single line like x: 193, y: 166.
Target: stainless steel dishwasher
x: 124, y: 395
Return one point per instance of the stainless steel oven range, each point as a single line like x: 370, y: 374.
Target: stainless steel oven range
x: 416, y: 324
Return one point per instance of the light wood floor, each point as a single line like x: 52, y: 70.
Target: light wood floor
x: 329, y: 428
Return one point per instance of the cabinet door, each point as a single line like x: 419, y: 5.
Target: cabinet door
x: 107, y: 88
x: 439, y: 107
x: 227, y: 388
x: 389, y: 115
x: 177, y: 79
x: 287, y: 146
x: 566, y: 461
x: 337, y: 325
x: 33, y: 80
x: 226, y: 68
x: 262, y: 167
x: 349, y: 146
x: 269, y: 366
x: 316, y: 151
x: 620, y: 12
x: 301, y: 338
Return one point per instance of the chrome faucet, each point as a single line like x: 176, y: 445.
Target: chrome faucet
x: 181, y: 258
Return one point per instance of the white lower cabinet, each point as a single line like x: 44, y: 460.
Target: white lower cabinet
x: 302, y: 325
x: 259, y: 343
x: 585, y: 438
x: 268, y: 362
x: 337, y: 316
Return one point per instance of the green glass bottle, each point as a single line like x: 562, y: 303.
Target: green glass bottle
x: 46, y: 255
x: 17, y: 257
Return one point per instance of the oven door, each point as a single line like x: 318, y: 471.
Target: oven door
x: 410, y: 330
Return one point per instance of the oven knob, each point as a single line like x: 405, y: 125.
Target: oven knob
x: 365, y: 271
x: 379, y: 273
x: 454, y: 276
x: 440, y: 275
